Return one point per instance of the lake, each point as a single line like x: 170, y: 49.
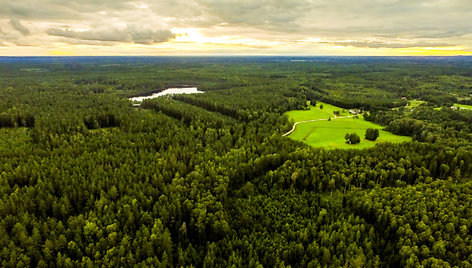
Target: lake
x: 169, y: 91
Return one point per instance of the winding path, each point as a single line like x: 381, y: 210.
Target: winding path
x: 314, y: 120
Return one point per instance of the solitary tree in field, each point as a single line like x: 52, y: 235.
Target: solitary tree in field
x: 352, y: 138
x: 321, y: 106
x: 371, y: 134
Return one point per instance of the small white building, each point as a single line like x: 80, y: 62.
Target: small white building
x: 355, y: 111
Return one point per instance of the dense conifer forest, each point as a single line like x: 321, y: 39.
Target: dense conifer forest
x: 208, y: 180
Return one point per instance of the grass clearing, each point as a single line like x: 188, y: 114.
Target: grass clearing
x: 330, y: 134
x: 463, y: 106
x: 459, y: 106
x: 411, y: 104
x: 316, y: 113
x: 414, y: 103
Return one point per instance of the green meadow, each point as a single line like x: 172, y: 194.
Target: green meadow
x: 414, y: 103
x: 463, y: 106
x: 330, y: 134
x: 316, y: 113
x: 460, y: 106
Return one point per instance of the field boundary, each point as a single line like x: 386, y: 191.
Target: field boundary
x: 314, y: 120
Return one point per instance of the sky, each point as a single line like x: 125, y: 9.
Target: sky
x: 235, y: 27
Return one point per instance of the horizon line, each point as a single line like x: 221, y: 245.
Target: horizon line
x: 237, y: 55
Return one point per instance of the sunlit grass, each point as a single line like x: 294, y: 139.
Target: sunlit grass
x: 330, y: 134
x: 316, y: 113
x: 415, y: 103
x: 463, y: 106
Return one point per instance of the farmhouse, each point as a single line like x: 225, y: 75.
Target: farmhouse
x: 355, y: 111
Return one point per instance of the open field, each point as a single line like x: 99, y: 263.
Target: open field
x: 463, y: 106
x: 460, y: 106
x: 316, y: 113
x: 414, y: 103
x: 330, y: 134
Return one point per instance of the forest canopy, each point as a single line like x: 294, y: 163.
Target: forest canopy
x: 208, y: 180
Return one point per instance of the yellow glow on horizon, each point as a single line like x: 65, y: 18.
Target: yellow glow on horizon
x: 191, y: 48
x: 61, y: 53
x: 434, y: 51
x: 409, y: 51
x: 192, y: 37
x: 191, y: 41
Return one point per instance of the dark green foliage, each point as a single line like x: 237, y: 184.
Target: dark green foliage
x: 427, y: 123
x: 371, y: 134
x: 352, y: 138
x: 428, y: 223
x: 86, y: 179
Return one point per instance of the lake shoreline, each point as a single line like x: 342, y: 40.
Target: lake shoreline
x: 154, y: 91
x: 167, y: 91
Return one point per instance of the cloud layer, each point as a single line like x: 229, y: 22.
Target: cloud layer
x: 130, y: 34
x: 16, y: 24
x: 239, y: 26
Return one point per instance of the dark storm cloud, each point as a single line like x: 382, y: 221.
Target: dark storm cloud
x: 130, y: 34
x: 16, y: 24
